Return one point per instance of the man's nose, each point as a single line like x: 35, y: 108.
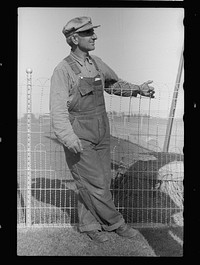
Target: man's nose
x: 94, y: 36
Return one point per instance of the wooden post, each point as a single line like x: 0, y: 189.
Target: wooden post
x: 173, y: 105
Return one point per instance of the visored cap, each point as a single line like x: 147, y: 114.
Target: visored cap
x: 78, y: 24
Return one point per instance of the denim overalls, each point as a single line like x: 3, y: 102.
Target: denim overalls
x: 91, y: 169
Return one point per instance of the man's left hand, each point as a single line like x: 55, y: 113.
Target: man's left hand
x: 146, y: 90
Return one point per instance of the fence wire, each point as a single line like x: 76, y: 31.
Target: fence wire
x: 137, y: 158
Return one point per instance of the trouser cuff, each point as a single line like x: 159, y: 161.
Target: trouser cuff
x: 114, y: 226
x: 90, y: 227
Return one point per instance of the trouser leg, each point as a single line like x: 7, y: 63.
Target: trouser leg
x: 103, y: 151
x: 92, y: 182
x: 87, y: 221
x: 104, y: 154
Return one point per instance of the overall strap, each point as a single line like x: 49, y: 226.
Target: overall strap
x: 73, y: 65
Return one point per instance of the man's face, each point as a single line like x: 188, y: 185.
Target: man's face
x: 86, y: 40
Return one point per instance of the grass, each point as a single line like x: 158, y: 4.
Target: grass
x: 68, y: 242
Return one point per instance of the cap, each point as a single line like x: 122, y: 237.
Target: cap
x: 78, y: 24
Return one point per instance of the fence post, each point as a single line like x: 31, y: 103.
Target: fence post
x: 29, y: 110
x: 173, y: 105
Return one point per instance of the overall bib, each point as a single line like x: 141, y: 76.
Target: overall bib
x: 91, y: 169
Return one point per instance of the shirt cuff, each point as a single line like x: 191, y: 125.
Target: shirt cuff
x: 68, y: 140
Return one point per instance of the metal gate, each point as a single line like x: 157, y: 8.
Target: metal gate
x: 46, y: 193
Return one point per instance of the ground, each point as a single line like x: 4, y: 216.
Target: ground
x: 68, y: 242
x: 60, y: 241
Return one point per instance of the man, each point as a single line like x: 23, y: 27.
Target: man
x: 81, y: 124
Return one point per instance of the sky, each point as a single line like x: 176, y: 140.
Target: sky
x: 139, y: 44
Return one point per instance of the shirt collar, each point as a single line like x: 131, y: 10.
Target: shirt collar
x: 80, y: 60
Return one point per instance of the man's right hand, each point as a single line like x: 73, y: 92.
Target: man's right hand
x: 146, y: 90
x: 76, y: 146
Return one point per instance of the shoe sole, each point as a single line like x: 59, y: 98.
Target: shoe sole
x: 128, y: 236
x: 96, y: 240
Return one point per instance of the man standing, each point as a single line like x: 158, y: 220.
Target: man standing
x: 81, y: 124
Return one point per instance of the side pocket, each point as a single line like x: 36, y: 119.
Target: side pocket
x: 73, y: 122
x: 75, y: 126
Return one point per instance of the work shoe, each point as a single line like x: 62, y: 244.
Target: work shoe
x: 97, y: 236
x: 126, y: 231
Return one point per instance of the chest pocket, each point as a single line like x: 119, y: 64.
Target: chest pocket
x: 86, y: 90
x: 87, y: 94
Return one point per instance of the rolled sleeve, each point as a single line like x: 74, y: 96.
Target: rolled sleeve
x: 59, y: 95
x: 123, y: 88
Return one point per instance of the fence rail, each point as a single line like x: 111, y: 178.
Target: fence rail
x: 46, y: 192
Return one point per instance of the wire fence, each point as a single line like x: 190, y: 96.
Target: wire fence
x: 46, y: 192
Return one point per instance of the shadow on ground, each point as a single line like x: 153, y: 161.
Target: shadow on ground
x: 166, y: 242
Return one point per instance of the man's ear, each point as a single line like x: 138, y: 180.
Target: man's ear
x: 74, y: 39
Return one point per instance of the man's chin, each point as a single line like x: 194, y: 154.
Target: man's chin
x: 92, y: 48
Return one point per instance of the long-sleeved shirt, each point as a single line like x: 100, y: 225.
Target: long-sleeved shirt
x: 63, y: 84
